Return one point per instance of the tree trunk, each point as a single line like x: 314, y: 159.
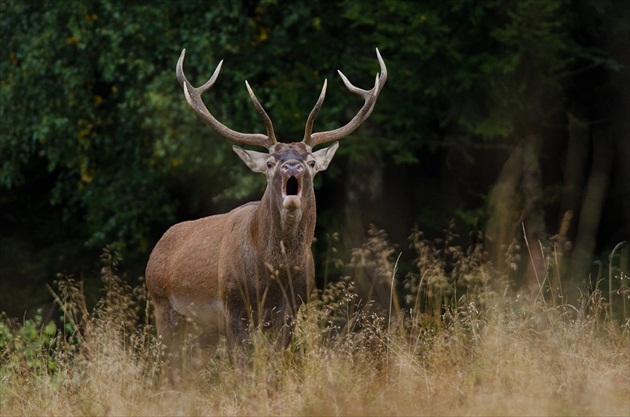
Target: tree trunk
x: 514, y: 206
x: 502, y: 211
x: 590, y: 215
x: 532, y: 217
x: 364, y: 194
x: 575, y: 167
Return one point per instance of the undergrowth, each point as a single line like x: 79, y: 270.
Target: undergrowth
x: 450, y: 337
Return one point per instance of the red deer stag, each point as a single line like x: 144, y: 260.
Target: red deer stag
x: 252, y: 266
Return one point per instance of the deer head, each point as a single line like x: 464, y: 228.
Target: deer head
x: 288, y: 167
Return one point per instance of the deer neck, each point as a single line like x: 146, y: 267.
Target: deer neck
x: 290, y: 231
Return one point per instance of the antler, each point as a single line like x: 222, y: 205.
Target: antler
x: 370, y: 96
x: 193, y: 97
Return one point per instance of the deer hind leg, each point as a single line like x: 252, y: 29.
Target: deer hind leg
x: 178, y: 334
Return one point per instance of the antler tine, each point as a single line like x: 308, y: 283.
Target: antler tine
x: 370, y: 97
x: 261, y: 111
x: 308, y: 129
x: 193, y: 97
x: 208, y: 85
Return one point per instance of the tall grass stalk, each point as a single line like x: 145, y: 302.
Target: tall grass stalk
x: 610, y: 275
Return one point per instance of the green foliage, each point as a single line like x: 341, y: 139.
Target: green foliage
x: 98, y: 101
x: 475, y: 68
x: 28, y: 345
x: 98, y: 145
x: 75, y: 81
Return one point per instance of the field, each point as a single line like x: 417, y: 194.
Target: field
x: 461, y: 341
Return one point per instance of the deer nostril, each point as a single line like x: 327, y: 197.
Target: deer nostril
x: 292, y: 168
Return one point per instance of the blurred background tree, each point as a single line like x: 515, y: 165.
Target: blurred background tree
x: 500, y: 114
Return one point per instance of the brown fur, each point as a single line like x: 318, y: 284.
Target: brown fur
x: 250, y: 267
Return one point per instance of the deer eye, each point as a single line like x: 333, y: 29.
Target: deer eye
x: 270, y: 164
x: 311, y: 164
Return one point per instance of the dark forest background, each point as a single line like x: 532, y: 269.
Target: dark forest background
x: 509, y: 119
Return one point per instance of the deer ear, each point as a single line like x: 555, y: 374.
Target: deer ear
x: 324, y: 156
x: 256, y: 161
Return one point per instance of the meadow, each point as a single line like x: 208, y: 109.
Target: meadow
x: 460, y: 340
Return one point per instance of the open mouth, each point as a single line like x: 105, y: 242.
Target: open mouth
x: 292, y: 187
x: 291, y: 193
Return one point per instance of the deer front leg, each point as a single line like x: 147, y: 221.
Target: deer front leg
x: 237, y: 330
x: 237, y: 337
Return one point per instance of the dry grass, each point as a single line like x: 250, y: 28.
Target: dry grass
x: 460, y: 343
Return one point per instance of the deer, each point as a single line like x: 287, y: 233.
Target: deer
x: 251, y: 267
